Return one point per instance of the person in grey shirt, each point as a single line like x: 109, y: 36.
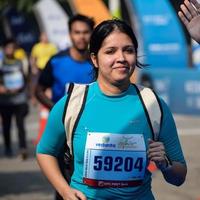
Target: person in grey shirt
x: 13, y: 98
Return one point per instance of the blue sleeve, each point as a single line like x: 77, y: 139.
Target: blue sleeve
x: 53, y: 138
x: 169, y: 136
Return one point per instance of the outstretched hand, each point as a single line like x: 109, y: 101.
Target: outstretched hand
x: 190, y: 15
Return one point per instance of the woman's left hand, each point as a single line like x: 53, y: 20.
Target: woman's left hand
x: 156, y: 153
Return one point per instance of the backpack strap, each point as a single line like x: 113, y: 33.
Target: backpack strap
x: 74, y: 106
x: 75, y: 103
x: 152, y: 108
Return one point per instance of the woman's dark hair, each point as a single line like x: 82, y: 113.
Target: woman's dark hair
x: 104, y: 29
x: 89, y: 21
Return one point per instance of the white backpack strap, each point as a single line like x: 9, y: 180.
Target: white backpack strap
x: 73, y: 110
x: 152, y: 109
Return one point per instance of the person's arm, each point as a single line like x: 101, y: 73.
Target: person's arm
x: 33, y: 60
x: 51, y: 170
x: 167, y: 152
x: 45, y: 81
x: 173, y: 172
x: 50, y: 147
x: 34, y: 72
x: 42, y: 97
x: 190, y: 15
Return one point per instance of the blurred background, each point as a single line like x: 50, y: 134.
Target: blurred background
x: 164, y: 43
x: 173, y: 72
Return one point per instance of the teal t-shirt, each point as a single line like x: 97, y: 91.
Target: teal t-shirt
x: 121, y: 114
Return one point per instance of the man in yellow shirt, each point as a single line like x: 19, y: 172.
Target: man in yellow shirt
x: 40, y: 54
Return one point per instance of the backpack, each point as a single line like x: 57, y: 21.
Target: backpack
x: 77, y: 94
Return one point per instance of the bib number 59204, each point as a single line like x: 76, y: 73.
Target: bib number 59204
x: 118, y: 163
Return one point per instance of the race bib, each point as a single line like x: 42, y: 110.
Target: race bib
x: 114, y: 160
x: 13, y: 80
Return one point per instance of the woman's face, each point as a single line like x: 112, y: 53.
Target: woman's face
x: 116, y: 59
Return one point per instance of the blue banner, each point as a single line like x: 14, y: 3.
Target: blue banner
x: 162, y: 39
x: 179, y: 88
x: 20, y: 28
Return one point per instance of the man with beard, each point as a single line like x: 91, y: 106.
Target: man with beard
x: 69, y: 66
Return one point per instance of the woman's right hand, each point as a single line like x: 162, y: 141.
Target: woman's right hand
x: 49, y: 166
x: 73, y: 194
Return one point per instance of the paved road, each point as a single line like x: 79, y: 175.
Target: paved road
x: 22, y: 180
